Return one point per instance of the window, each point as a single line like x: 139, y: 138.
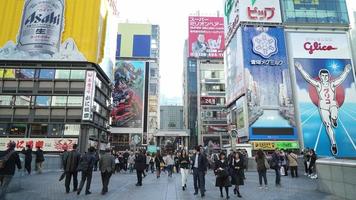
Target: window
x: 4, y: 129
x: 39, y: 129
x: 6, y: 100
x: 71, y: 129
x: 47, y: 74
x: 62, y: 74
x: 25, y: 73
x: 75, y: 101
x: 23, y: 100
x: 18, y: 129
x: 43, y: 100
x: 59, y: 101
x: 77, y: 74
x: 8, y: 73
x: 55, y: 130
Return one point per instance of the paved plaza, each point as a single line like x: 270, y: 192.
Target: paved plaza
x: 122, y: 186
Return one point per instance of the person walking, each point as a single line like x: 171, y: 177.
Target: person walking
x: 70, y: 166
x: 284, y: 162
x: 86, y: 167
x: 261, y: 162
x: 131, y: 162
x: 97, y: 158
x: 221, y: 171
x: 152, y: 164
x: 126, y: 158
x: 311, y: 162
x: 10, y: 159
x: 276, y: 160
x: 159, y: 162
x: 183, y: 161
x: 306, y: 156
x: 199, y: 167
x: 39, y: 159
x: 28, y: 158
x: 237, y: 172
x: 140, y: 165
x: 107, y: 167
x: 293, y: 164
x: 170, y: 164
x: 176, y: 162
x: 148, y: 158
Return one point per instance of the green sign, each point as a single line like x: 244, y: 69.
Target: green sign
x: 287, y: 145
x: 152, y: 148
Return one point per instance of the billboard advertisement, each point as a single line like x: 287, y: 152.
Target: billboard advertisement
x: 206, y: 37
x: 53, y: 30
x: 211, y: 142
x: 128, y: 94
x: 234, y: 70
x: 269, y: 94
x: 260, y: 11
x: 325, y: 89
x: 89, y: 95
x: 231, y: 19
x: 46, y: 144
x: 133, y: 40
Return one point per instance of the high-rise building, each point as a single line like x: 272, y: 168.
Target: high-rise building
x: 171, y: 118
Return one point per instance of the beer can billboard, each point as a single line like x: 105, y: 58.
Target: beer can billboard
x: 71, y: 30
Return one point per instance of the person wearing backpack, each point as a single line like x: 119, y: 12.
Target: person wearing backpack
x: 70, y: 165
x: 86, y: 165
x: 8, y: 161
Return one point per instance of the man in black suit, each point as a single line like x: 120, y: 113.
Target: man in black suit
x: 140, y: 164
x: 70, y: 165
x: 199, y: 167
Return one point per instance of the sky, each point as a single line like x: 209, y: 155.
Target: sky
x: 172, y: 16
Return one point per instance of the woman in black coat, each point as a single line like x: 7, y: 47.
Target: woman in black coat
x: 222, y: 175
x: 28, y: 158
x: 236, y: 168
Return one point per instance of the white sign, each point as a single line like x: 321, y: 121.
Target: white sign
x: 89, y: 96
x: 231, y: 19
x: 319, y: 45
x: 267, y: 11
x: 46, y: 144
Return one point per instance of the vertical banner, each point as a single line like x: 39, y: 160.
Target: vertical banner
x: 128, y: 94
x: 326, y: 92
x: 206, y: 37
x: 89, y: 95
x: 269, y: 94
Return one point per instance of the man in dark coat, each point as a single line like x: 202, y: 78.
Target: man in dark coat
x: 70, y: 165
x: 39, y: 159
x: 140, y: 164
x: 28, y: 158
x: 199, y: 167
x: 12, y: 159
x: 107, y: 167
x: 126, y: 158
x: 86, y: 165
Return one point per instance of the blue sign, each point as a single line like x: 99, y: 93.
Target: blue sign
x: 269, y: 94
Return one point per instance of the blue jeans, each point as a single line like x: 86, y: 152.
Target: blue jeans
x: 278, y: 175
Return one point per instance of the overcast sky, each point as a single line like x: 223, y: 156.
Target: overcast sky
x: 172, y: 16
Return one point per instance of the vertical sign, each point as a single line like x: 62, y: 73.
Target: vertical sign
x: 89, y: 95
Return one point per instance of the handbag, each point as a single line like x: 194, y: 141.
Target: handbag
x: 222, y: 173
x: 266, y: 164
x: 282, y: 171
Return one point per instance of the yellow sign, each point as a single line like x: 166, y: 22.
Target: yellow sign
x: 272, y: 145
x: 71, y: 30
x: 264, y: 145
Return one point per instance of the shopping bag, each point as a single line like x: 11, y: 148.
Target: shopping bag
x: 283, y: 173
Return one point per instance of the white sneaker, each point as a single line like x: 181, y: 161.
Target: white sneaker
x: 266, y: 187
x: 309, y: 175
x: 305, y: 174
x: 260, y: 187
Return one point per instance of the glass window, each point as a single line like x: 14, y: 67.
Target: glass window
x: 59, y: 101
x: 4, y: 129
x: 18, y: 129
x: 43, y: 100
x: 6, y: 100
x: 72, y: 129
x: 55, y: 130
x: 25, y: 73
x: 23, y: 100
x: 47, y: 74
x: 39, y: 129
x: 75, y: 101
x: 9, y: 73
x: 62, y: 74
x: 77, y: 74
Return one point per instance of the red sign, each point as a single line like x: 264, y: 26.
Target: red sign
x: 208, y: 101
x: 46, y: 144
x: 316, y: 46
x: 260, y: 14
x: 206, y: 37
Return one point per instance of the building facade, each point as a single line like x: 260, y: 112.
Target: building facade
x: 171, y: 117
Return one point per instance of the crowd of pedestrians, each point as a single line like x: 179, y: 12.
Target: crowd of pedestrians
x: 229, y: 170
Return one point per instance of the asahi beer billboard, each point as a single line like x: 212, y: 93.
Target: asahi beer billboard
x: 325, y: 91
x: 53, y: 30
x: 128, y: 94
x: 267, y: 78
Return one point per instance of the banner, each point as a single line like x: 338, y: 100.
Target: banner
x: 231, y: 19
x: 269, y: 94
x: 272, y: 145
x: 89, y: 93
x: 206, y: 37
x: 54, y: 29
x: 128, y: 94
x: 46, y: 144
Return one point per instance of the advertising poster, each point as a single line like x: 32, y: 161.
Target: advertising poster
x: 53, y: 29
x: 211, y: 142
x: 269, y: 93
x: 46, y: 144
x: 235, y: 86
x: 260, y: 11
x: 326, y: 92
x: 240, y: 117
x: 206, y: 37
x: 128, y: 94
x: 231, y: 12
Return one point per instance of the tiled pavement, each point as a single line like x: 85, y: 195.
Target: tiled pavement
x: 122, y: 186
